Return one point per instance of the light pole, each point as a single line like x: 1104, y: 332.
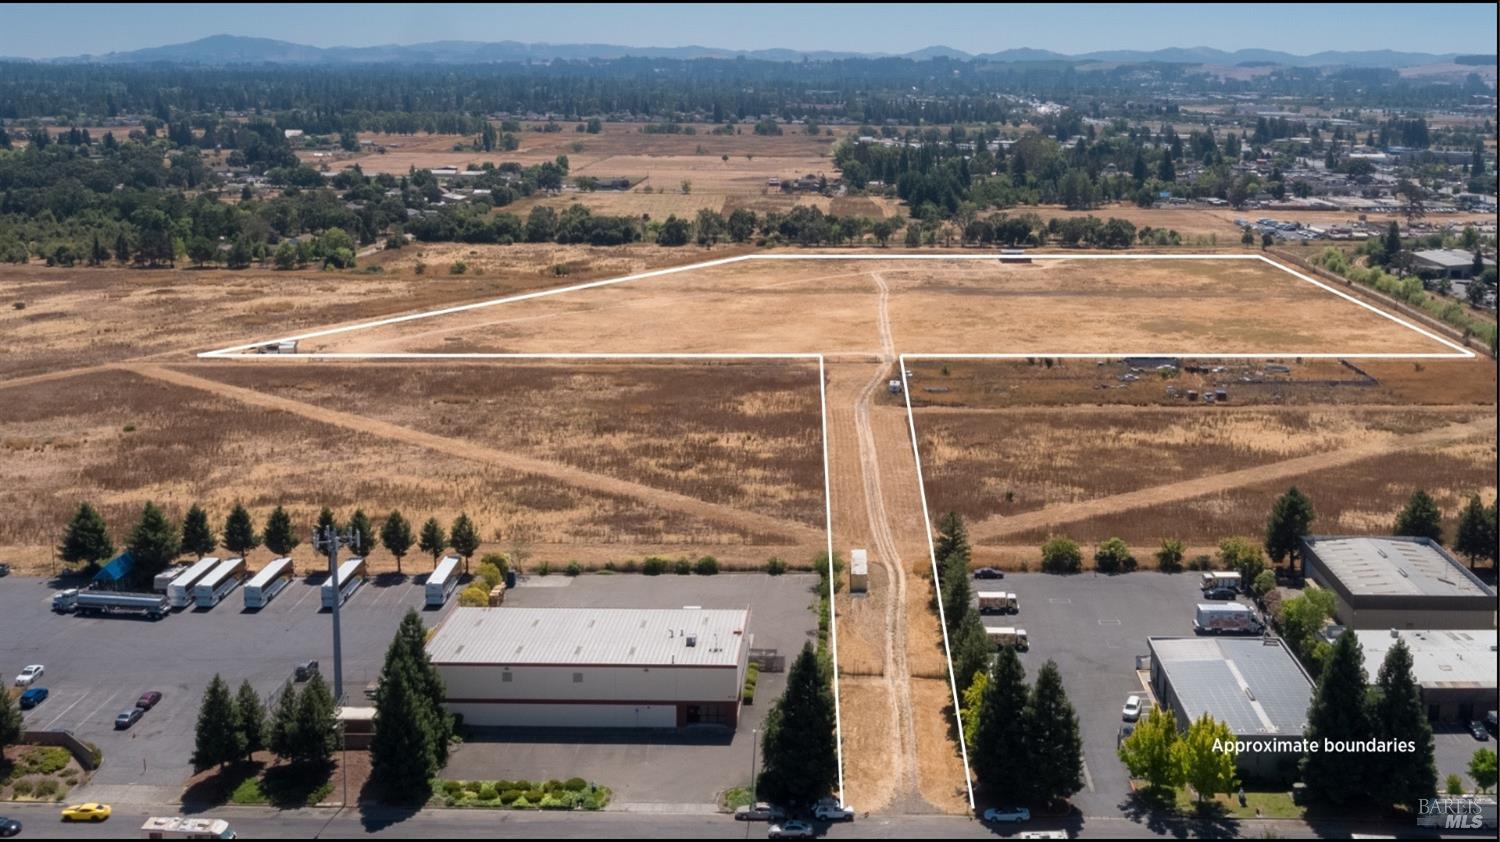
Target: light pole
x: 754, y: 744
x: 328, y: 540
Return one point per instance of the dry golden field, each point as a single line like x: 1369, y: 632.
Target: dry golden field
x: 1024, y: 450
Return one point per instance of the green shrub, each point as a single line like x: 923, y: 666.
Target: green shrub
x: 1061, y: 555
x: 502, y: 786
x: 573, y: 569
x: 575, y: 784
x: 488, y: 793
x: 654, y: 566
x: 510, y: 796
x: 544, y: 569
x: 474, y: 786
x: 775, y: 566
x: 706, y: 566
x: 46, y: 788
x: 458, y: 268
x: 554, y: 802
x: 682, y: 567
x: 453, y: 788
x: 552, y: 785
x: 23, y: 788
x: 535, y: 796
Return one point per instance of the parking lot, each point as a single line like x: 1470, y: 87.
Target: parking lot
x: 644, y: 766
x: 1094, y: 626
x: 96, y: 667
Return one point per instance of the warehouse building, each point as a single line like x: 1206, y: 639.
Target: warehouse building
x: 1252, y: 684
x: 1454, y: 667
x: 593, y: 668
x: 1397, y: 583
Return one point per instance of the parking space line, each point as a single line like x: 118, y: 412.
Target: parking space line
x: 307, y: 591
x: 90, y: 717
x: 64, y: 712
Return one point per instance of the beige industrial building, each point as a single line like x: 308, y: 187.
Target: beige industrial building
x: 593, y: 668
x: 1397, y: 583
x: 1454, y: 667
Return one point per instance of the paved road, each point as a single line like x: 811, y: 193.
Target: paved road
x: 254, y: 822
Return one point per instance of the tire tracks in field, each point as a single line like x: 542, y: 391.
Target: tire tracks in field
x: 1054, y: 516
x: 888, y: 556
x: 713, y: 512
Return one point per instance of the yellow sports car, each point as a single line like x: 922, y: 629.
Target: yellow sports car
x: 86, y: 813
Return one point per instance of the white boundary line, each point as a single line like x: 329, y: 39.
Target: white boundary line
x: 958, y: 715
x: 237, y: 352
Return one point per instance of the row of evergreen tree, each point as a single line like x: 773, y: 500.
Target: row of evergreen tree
x: 156, y: 540
x: 303, y: 729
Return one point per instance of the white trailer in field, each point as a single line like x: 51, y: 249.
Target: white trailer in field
x: 350, y: 575
x: 219, y: 582
x: 265, y: 585
x: 442, y: 582
x: 859, y: 571
x: 180, y: 591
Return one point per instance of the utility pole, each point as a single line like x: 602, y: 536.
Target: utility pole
x: 328, y: 540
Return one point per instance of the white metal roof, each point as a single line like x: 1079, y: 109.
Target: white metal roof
x: 1380, y: 566
x: 190, y: 576
x: 591, y: 636
x: 1440, y: 658
x: 444, y: 570
x: 270, y: 572
x: 1253, y: 684
x: 224, y: 569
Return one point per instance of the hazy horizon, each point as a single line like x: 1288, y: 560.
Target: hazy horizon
x: 46, y: 31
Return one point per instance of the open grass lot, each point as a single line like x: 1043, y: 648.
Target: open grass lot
x: 1025, y: 451
x: 53, y: 319
x: 928, y: 306
x: 119, y: 438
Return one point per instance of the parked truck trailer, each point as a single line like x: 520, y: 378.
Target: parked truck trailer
x: 92, y: 603
x: 1226, y: 618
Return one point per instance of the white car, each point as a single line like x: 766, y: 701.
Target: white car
x: 759, y: 812
x: 790, y: 830
x: 825, y: 812
x: 1132, y: 710
x: 29, y: 675
x: 1007, y: 814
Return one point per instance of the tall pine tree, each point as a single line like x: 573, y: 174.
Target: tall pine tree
x: 1054, y: 747
x: 217, y: 740
x: 799, y: 757
x: 197, y: 536
x: 86, y: 539
x: 1338, y: 712
x: 999, y: 750
x: 280, y: 537
x: 1421, y: 518
x: 239, y: 531
x: 1400, y: 778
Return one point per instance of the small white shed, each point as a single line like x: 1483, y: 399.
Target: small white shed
x: 859, y: 571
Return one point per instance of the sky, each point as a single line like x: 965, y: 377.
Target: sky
x: 46, y: 31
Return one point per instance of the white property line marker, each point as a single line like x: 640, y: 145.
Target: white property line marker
x: 237, y: 352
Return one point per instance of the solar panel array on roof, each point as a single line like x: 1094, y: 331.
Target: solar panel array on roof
x: 591, y: 636
x: 1252, y: 684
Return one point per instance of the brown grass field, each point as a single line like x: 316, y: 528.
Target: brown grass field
x: 1025, y: 451
x: 121, y: 437
x: 933, y: 306
x: 72, y: 318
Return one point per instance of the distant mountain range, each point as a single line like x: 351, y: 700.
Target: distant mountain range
x: 235, y: 49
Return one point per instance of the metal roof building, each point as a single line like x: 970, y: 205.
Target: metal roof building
x: 1253, y: 684
x: 1393, y: 582
x: 586, y: 667
x: 1454, y: 667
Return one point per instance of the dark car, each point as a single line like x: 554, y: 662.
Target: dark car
x: 1220, y: 593
x: 4, y: 570
x: 305, y: 670
x: 33, y: 697
x: 128, y: 717
x: 989, y: 573
x: 148, y: 700
x: 9, y: 827
x: 1478, y: 730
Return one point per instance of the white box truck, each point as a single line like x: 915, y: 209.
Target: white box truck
x: 179, y: 827
x: 219, y: 582
x: 350, y: 575
x: 265, y: 585
x: 1008, y: 636
x: 180, y: 591
x: 998, y: 602
x: 1220, y: 579
x: 1226, y: 618
x: 443, y: 581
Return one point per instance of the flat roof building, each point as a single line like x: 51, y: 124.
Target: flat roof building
x: 1402, y: 583
x: 593, y: 668
x: 1252, y: 684
x: 1452, y: 263
x: 1454, y: 667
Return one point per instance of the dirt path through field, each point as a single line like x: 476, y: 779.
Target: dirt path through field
x: 1055, y: 516
x: 729, y: 515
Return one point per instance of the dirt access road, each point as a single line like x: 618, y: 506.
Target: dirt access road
x: 889, y: 641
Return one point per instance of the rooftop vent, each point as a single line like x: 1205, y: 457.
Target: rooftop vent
x: 692, y: 640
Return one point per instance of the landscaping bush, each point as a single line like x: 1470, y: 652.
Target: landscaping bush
x: 510, y: 796
x: 1113, y: 556
x: 775, y: 566
x: 488, y: 793
x: 474, y: 786
x: 474, y: 596
x: 535, y: 796
x: 47, y: 788
x: 1061, y: 555
x: 502, y: 786
x: 706, y: 566
x: 682, y: 567
x: 22, y: 788
x: 573, y: 569
x: 453, y: 788
x: 575, y: 784
x: 654, y: 566
x: 552, y: 785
